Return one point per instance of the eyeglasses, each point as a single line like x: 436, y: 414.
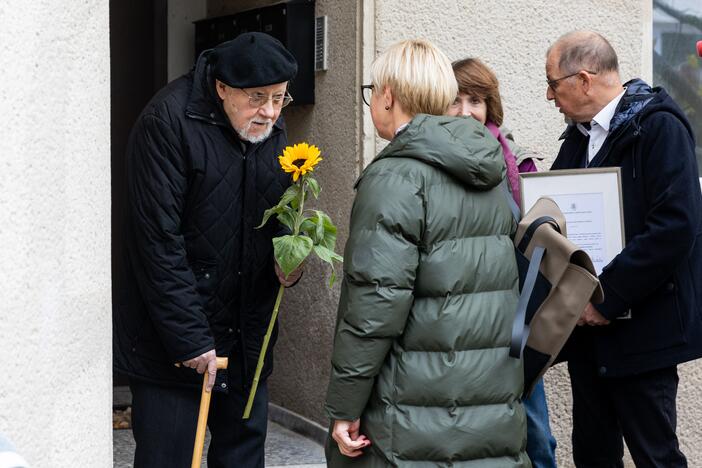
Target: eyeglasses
x: 260, y: 99
x: 366, y: 93
x: 553, y: 84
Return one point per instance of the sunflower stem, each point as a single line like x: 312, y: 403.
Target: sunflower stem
x: 301, y: 206
x: 262, y: 354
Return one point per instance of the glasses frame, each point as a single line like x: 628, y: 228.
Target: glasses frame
x: 553, y: 84
x: 284, y: 102
x: 363, y: 96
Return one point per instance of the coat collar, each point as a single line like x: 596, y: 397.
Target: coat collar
x: 637, y: 95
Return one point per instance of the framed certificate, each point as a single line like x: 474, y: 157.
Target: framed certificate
x: 591, y: 200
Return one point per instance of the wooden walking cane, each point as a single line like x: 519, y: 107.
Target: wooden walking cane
x: 222, y: 363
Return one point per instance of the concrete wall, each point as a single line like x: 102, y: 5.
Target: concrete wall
x: 478, y: 28
x: 55, y: 339
x: 308, y: 313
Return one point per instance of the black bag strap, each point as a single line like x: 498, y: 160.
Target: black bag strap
x: 529, y: 233
x: 520, y: 329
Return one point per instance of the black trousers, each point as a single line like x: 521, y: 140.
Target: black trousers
x: 639, y: 408
x: 164, y: 421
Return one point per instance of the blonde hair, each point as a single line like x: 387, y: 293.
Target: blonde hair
x: 418, y: 74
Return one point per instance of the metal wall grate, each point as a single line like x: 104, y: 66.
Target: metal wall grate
x: 320, y: 44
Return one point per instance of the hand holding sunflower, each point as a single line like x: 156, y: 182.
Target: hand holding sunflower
x: 311, y: 231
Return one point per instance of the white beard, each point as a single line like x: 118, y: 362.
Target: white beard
x: 244, y: 134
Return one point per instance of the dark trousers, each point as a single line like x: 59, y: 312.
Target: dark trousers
x: 639, y: 408
x: 164, y: 421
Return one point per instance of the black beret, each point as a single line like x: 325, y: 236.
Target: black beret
x: 251, y: 60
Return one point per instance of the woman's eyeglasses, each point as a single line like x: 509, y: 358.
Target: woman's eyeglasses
x: 366, y: 93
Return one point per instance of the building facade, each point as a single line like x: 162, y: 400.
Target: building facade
x: 56, y: 173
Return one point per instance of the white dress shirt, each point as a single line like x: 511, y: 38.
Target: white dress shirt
x: 599, y: 127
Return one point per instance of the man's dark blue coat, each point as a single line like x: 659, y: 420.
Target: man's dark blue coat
x: 658, y: 275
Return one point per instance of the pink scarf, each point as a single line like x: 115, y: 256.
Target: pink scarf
x: 510, y: 161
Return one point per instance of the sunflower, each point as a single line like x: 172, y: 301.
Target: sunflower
x: 299, y: 159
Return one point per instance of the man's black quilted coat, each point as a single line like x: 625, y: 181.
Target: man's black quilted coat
x: 197, y: 273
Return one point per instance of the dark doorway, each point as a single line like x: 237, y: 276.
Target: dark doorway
x: 138, y: 59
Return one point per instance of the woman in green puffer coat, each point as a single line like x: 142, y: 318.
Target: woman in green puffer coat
x: 421, y: 375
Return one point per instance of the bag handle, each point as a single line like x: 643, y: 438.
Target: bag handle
x: 529, y: 233
x: 520, y: 329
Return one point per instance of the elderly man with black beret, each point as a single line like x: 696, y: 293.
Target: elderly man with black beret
x: 200, y: 280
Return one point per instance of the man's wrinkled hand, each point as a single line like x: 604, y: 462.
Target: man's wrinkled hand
x: 592, y: 317
x: 291, y: 279
x: 205, y: 362
x: 347, y: 436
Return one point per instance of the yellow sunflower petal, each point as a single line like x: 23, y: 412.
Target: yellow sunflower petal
x: 299, y: 159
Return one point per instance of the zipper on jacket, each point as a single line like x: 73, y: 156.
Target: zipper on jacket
x: 634, y: 145
x: 240, y: 315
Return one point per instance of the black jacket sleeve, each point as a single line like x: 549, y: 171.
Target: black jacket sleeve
x: 672, y: 205
x: 157, y: 187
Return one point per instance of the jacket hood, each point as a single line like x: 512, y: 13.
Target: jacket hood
x: 641, y: 100
x: 460, y: 146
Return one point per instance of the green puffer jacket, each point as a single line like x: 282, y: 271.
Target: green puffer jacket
x: 429, y: 293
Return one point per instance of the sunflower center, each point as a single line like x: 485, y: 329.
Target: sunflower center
x: 299, y: 162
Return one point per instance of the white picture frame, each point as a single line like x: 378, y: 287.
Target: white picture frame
x: 591, y: 200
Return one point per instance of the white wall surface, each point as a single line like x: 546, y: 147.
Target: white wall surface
x: 512, y: 38
x: 55, y: 339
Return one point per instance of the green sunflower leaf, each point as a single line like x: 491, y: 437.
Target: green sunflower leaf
x: 291, y: 251
x: 287, y: 217
x: 309, y: 228
x: 325, y: 231
x: 289, y: 195
x: 267, y: 214
x: 328, y: 256
x: 314, y: 186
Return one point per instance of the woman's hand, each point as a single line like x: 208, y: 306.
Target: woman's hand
x: 346, y: 434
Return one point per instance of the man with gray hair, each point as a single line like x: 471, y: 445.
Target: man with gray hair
x: 623, y: 358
